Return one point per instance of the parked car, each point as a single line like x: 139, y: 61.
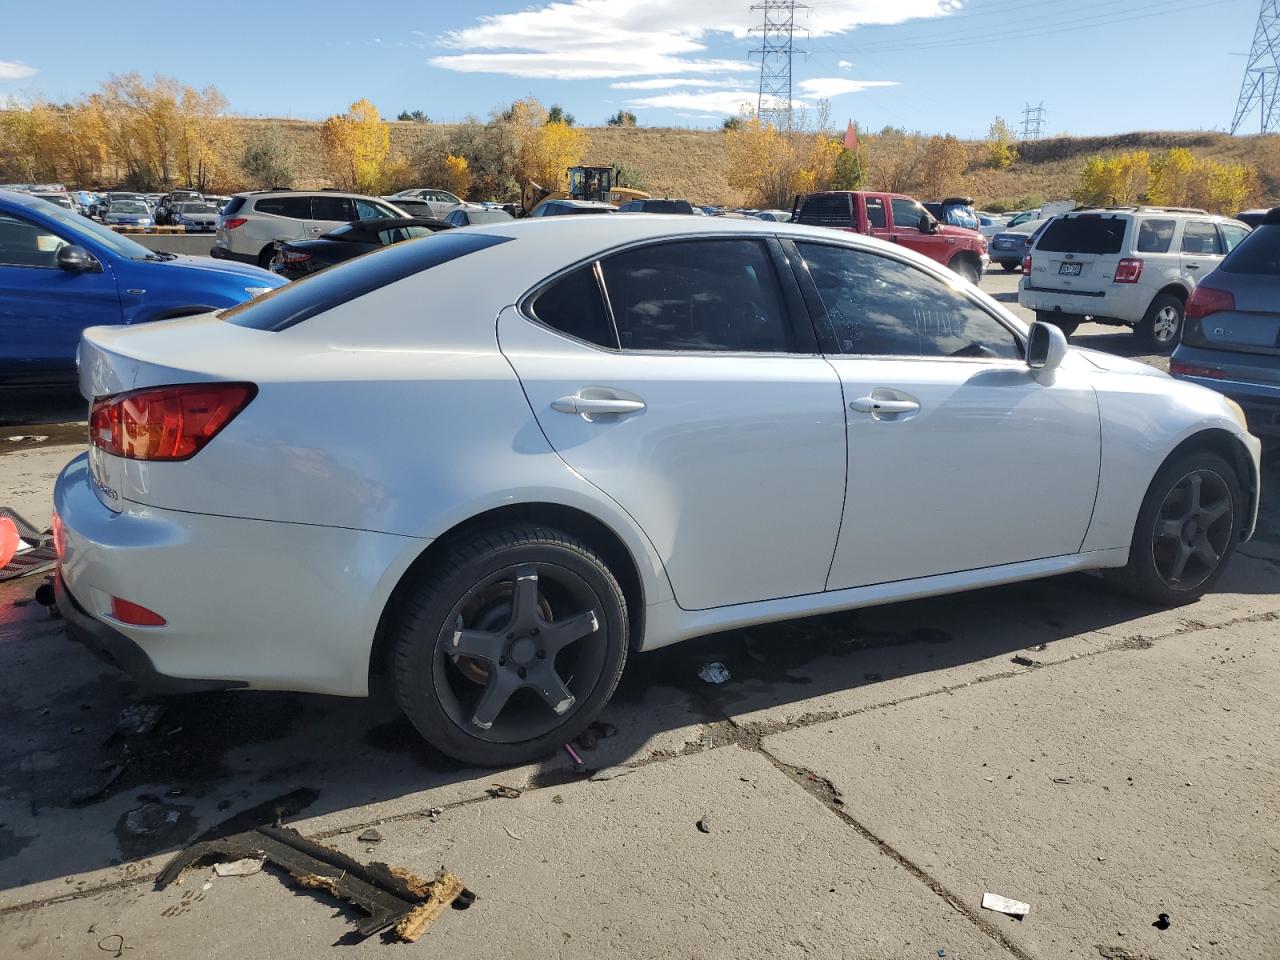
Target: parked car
x: 251, y: 223
x: 216, y: 200
x: 86, y: 199
x: 774, y: 216
x: 1009, y: 247
x: 198, y: 217
x: 1134, y: 266
x: 494, y: 462
x: 62, y: 199
x: 658, y: 205
x: 989, y: 224
x: 1252, y: 218
x: 1018, y: 219
x: 166, y: 204
x: 955, y: 211
x: 441, y: 201
x: 106, y: 199
x: 1231, y: 338
x: 899, y: 219
x: 128, y: 213
x: 415, y: 208
x: 61, y: 273
x: 560, y: 208
x: 467, y: 216
x: 296, y: 259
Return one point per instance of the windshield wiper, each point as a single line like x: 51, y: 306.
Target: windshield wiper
x: 158, y: 256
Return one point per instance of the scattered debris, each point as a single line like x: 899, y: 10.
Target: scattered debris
x: 465, y: 899
x: 578, y: 765
x: 609, y: 773
x: 151, y: 817
x: 370, y: 836
x: 513, y: 836
x: 503, y: 791
x: 1039, y: 648
x: 941, y: 952
x: 704, y: 825
x: 434, y: 812
x: 238, y: 868
x: 1162, y: 922
x: 714, y: 672
x: 393, y: 898
x: 1014, y: 908
x: 116, y: 948
x: 1061, y: 780
x: 138, y: 719
x: 1022, y: 661
x: 30, y: 438
x: 590, y: 738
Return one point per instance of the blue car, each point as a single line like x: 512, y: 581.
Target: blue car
x: 60, y: 273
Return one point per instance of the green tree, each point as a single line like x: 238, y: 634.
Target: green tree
x: 622, y: 118
x: 416, y: 116
x: 848, y: 171
x: 268, y: 159
x: 557, y: 115
x: 731, y: 123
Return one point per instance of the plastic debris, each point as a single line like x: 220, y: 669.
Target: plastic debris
x: 503, y: 791
x: 704, y: 825
x: 370, y: 836
x: 1162, y: 922
x: 1022, y: 661
x: 714, y: 672
x: 1014, y: 908
x: 245, y: 867
x: 578, y: 764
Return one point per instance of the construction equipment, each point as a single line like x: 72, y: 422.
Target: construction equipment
x: 585, y: 183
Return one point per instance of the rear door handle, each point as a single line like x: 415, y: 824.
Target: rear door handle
x: 874, y: 406
x: 596, y: 405
x: 1193, y: 266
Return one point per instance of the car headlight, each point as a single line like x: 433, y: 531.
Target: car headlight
x: 257, y: 291
x: 1238, y: 412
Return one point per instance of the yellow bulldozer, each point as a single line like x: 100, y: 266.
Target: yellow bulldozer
x: 585, y: 183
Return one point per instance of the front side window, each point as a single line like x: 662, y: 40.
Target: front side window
x: 1155, y: 236
x: 1232, y: 234
x: 907, y: 214
x: 26, y: 244
x: 368, y: 210
x: 1200, y: 238
x: 574, y: 305
x: 882, y: 307
x: 698, y: 295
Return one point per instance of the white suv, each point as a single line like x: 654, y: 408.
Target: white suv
x: 1134, y: 266
x: 251, y: 223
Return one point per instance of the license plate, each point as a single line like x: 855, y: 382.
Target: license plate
x: 1069, y: 269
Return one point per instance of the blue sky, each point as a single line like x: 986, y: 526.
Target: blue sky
x: 932, y: 65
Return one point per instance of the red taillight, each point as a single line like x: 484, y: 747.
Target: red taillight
x: 234, y: 222
x: 135, y: 613
x: 295, y: 256
x: 166, y: 423
x: 1207, y: 300
x: 1128, y: 270
x: 1195, y: 370
x: 1026, y: 265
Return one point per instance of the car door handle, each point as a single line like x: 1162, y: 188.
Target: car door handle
x: 596, y: 405
x: 872, y: 405
x: 1193, y: 266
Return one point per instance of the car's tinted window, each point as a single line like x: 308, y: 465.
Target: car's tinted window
x: 1258, y: 255
x: 25, y: 244
x: 233, y: 206
x: 1233, y: 234
x: 1201, y: 237
x: 875, y: 212
x: 906, y: 214
x: 332, y: 208
x: 1155, y: 236
x: 882, y: 307
x: 697, y: 295
x: 299, y: 208
x: 296, y: 302
x: 574, y: 305
x: 398, y: 234
x: 1084, y: 234
x: 367, y: 210
x: 827, y: 210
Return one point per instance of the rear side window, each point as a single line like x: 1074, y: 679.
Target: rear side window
x: 875, y: 212
x: 298, y: 208
x: 333, y: 208
x: 1155, y: 236
x: 574, y: 306
x: 301, y: 300
x: 698, y: 295
x: 1094, y: 235
x: 827, y: 210
x: 1258, y: 255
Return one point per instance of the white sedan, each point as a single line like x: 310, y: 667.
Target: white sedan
x: 493, y: 461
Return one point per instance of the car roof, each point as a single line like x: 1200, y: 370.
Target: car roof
x: 307, y: 193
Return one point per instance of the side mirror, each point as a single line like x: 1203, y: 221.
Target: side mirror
x: 1046, y: 349
x: 76, y: 259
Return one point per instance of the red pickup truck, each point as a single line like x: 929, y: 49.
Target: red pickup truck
x: 898, y: 219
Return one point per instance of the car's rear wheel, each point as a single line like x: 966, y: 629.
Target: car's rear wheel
x: 968, y: 268
x: 1187, y: 529
x: 266, y: 256
x: 1163, y: 322
x: 511, y: 646
x: 1063, y: 321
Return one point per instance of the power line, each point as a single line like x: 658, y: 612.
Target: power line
x: 773, y: 104
x: 1261, y: 85
x: 1033, y: 121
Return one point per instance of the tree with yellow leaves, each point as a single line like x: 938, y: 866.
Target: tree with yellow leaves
x: 457, y: 175
x: 1001, y: 150
x: 769, y: 166
x: 1121, y: 180
x: 943, y: 166
x: 356, y: 145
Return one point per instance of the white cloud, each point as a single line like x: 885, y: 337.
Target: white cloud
x: 16, y: 70
x: 845, y: 65
x: 584, y: 39
x: 665, y: 83
x: 704, y: 101
x: 835, y: 86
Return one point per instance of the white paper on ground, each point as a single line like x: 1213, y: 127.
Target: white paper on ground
x: 1015, y: 908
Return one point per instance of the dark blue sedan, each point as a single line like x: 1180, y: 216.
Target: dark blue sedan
x: 61, y: 273
x: 1231, y: 337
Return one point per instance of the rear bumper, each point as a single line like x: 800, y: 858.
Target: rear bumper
x: 1123, y: 301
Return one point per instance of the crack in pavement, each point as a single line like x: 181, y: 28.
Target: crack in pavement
x: 750, y: 736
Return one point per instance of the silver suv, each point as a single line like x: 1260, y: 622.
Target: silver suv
x: 251, y: 223
x: 1133, y: 266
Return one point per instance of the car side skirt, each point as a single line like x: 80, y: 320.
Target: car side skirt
x: 666, y: 623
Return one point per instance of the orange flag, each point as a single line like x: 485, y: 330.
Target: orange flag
x: 851, y: 138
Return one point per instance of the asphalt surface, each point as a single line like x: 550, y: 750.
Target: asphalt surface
x: 861, y: 780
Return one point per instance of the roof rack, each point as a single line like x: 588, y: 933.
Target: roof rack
x: 1140, y: 208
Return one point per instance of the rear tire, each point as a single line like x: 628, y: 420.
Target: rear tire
x: 510, y: 646
x: 1063, y: 321
x: 1162, y: 324
x: 1187, y: 530
x: 266, y: 256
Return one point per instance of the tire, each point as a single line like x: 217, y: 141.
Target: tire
x: 1162, y: 324
x: 1176, y: 516
x: 965, y: 267
x: 1010, y: 265
x: 266, y: 256
x: 1065, y: 322
x: 503, y: 701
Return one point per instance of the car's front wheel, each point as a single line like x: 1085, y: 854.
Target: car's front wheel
x: 1187, y: 529
x: 510, y: 646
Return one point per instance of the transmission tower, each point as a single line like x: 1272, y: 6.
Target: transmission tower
x: 776, y: 36
x: 1262, y: 76
x: 1033, y: 121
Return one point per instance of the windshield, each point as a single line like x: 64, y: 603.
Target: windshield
x: 488, y: 216
x: 76, y: 226
x: 1085, y: 234
x: 59, y: 199
x: 197, y: 208
x: 127, y: 206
